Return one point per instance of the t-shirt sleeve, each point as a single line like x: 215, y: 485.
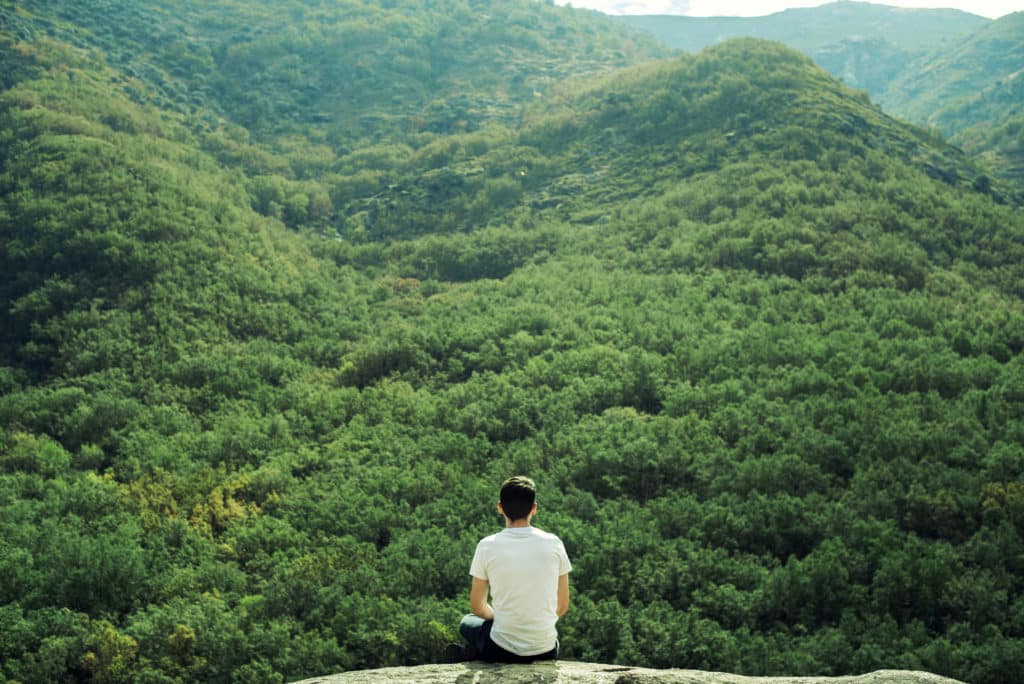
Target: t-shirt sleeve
x: 564, y: 566
x: 478, y: 568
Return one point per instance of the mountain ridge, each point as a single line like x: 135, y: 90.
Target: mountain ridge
x: 971, y: 94
x: 808, y: 29
x: 228, y: 64
x: 989, y: 53
x: 676, y: 111
x: 928, y: 66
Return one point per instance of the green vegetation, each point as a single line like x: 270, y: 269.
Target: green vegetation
x: 759, y: 344
x: 944, y: 69
x: 868, y: 45
x: 814, y: 28
x: 973, y: 95
x: 338, y: 74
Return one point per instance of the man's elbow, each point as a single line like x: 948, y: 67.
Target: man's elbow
x: 562, y: 609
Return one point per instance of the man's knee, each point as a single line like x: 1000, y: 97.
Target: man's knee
x: 470, y: 622
x: 474, y: 627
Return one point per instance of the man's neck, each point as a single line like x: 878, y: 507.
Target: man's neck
x: 517, y: 524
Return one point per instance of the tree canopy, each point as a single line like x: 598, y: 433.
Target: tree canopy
x: 759, y: 344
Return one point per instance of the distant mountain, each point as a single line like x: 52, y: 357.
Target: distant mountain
x: 947, y: 69
x: 865, y: 44
x: 973, y: 92
x: 949, y: 87
x: 910, y: 30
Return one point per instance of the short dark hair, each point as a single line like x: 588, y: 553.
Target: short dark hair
x: 518, y: 495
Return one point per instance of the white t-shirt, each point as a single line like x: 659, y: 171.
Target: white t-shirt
x: 522, y: 566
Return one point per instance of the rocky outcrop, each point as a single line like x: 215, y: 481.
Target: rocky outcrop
x: 569, y: 672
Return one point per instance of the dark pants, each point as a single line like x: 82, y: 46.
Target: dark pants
x: 477, y: 632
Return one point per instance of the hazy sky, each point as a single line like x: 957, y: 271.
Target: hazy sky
x: 750, y: 8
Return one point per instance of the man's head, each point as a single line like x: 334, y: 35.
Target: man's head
x: 518, y: 494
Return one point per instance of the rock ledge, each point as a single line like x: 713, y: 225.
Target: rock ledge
x: 571, y: 672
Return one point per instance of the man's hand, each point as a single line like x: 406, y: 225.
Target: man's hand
x: 478, y: 599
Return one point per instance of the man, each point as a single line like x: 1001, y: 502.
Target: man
x: 526, y: 572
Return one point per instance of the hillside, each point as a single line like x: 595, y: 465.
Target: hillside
x: 971, y: 93
x: 866, y: 44
x: 759, y: 344
x: 814, y: 28
x: 640, y: 134
x: 337, y: 74
x: 945, y: 69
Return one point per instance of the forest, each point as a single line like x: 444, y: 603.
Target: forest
x: 267, y: 353
x: 944, y: 68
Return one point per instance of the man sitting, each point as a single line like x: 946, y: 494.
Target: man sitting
x: 526, y: 571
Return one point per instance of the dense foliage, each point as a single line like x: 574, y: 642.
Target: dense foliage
x: 814, y: 28
x: 955, y: 72
x: 336, y: 73
x: 973, y: 94
x: 865, y: 44
x: 760, y: 345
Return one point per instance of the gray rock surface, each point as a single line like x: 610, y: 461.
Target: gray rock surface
x: 569, y: 672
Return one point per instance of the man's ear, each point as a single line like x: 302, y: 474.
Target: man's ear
x: 500, y: 509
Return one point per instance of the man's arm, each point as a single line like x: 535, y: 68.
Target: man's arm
x: 563, y: 595
x: 478, y: 599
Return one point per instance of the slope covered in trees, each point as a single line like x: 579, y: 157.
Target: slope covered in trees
x: 973, y: 94
x: 342, y: 72
x: 760, y: 344
x: 866, y: 44
x: 811, y: 28
x: 946, y: 69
